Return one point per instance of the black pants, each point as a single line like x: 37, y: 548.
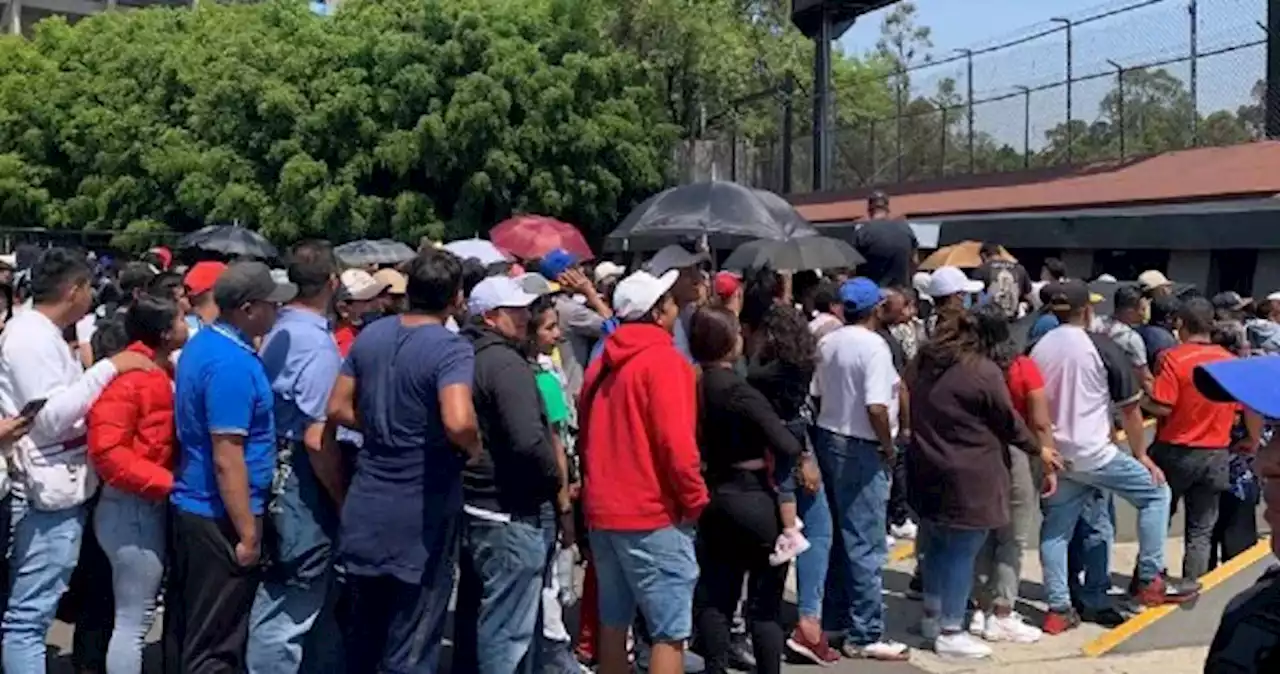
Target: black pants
x: 206, y: 622
x: 89, y: 603
x: 899, y: 511
x: 736, y: 533
x: 392, y: 627
x: 1236, y: 529
x: 1197, y: 478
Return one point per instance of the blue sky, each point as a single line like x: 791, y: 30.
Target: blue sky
x: 1158, y: 31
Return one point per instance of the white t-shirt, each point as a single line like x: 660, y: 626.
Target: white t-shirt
x: 855, y: 369
x: 1083, y: 376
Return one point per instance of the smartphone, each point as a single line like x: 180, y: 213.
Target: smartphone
x: 33, y: 408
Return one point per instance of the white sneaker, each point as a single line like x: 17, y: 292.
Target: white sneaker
x: 977, y: 623
x: 906, y: 531
x: 1010, y: 628
x: 960, y: 646
x: 930, y: 629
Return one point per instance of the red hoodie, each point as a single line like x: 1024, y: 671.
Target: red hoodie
x: 640, y: 454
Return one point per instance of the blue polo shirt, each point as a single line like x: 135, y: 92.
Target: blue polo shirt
x: 221, y: 387
x: 301, y: 358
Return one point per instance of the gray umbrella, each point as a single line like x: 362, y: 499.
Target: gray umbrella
x: 803, y: 254
x: 369, y: 251
x: 230, y: 240
x: 726, y: 214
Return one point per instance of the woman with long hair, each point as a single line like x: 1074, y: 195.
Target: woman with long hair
x: 131, y: 446
x: 963, y: 422
x: 738, y: 430
x: 999, y: 564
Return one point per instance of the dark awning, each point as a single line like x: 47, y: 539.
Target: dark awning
x: 1242, y: 223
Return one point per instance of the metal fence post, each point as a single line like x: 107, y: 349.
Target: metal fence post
x: 968, y: 56
x: 1026, y: 126
x: 1194, y: 84
x: 1119, y: 103
x: 902, y: 75
x: 788, y: 130
x: 871, y: 150
x: 1067, y: 24
x: 942, y: 160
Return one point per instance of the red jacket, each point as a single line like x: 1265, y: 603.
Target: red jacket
x: 131, y: 435
x: 640, y: 452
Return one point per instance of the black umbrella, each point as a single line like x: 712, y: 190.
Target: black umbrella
x: 726, y: 214
x: 367, y: 251
x: 803, y: 254
x: 230, y: 240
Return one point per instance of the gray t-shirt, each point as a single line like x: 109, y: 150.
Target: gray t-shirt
x: 1126, y: 338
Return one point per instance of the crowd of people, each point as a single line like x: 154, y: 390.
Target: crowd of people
x: 301, y: 468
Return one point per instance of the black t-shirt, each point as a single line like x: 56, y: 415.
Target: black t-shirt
x: 1248, y: 639
x: 895, y: 348
x: 887, y: 246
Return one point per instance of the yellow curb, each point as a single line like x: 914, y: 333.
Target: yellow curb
x: 902, y: 551
x: 1113, y: 638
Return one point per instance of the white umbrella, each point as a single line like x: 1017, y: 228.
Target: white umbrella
x: 477, y: 249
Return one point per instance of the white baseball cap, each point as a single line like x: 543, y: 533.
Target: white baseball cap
x: 360, y: 285
x: 1152, y: 279
x: 947, y: 281
x: 607, y: 269
x: 1274, y: 297
x: 636, y: 295
x: 498, y: 292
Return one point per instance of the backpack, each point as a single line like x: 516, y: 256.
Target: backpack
x: 1002, y: 289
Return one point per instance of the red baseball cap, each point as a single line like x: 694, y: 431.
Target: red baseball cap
x: 201, y: 277
x: 726, y: 283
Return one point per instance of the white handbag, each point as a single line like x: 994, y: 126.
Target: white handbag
x: 56, y: 477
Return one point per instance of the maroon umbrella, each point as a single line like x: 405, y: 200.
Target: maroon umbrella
x: 533, y: 236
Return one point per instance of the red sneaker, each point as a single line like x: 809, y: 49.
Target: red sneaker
x: 818, y: 652
x: 1060, y: 620
x: 1164, y: 590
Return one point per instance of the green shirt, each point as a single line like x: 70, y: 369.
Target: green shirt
x: 553, y: 398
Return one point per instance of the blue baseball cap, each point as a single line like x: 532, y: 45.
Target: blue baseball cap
x: 556, y: 263
x: 860, y: 293
x: 1249, y: 381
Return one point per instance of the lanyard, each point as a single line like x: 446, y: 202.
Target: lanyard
x: 233, y: 335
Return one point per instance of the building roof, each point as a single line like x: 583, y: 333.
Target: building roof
x: 1238, y: 171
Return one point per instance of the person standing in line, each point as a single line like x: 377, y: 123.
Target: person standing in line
x: 131, y: 448
x: 223, y: 411
x: 857, y: 388
x: 512, y: 493
x: 582, y: 311
x: 406, y: 386
x: 888, y: 245
x: 1085, y: 374
x: 358, y: 301
x: 951, y: 292
x: 737, y: 530
x: 1121, y: 326
x: 1007, y: 281
x: 1159, y: 333
x: 642, y: 478
x: 200, y: 279
x: 687, y: 291
x: 960, y: 480
x: 41, y: 375
x: 1193, y: 435
x: 301, y: 359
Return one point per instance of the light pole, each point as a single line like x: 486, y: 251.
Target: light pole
x: 1026, y: 126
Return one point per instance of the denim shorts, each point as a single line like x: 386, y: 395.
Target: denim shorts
x: 654, y: 570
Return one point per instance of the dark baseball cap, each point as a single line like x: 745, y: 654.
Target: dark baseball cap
x: 673, y: 257
x: 1068, y: 295
x: 1230, y: 301
x: 250, y: 281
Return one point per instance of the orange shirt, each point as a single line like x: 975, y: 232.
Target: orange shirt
x: 345, y: 336
x: 1195, y: 420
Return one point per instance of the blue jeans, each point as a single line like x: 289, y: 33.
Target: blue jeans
x: 811, y: 565
x: 46, y: 547
x: 948, y: 573
x: 856, y: 478
x: 653, y: 570
x: 1123, y: 476
x: 502, y: 567
x: 1089, y: 553
x: 131, y: 531
x: 295, y: 590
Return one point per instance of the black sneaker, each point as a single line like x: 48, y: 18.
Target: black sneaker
x: 1107, y: 617
x: 915, y: 589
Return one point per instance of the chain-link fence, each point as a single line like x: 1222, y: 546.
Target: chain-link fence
x: 1125, y: 81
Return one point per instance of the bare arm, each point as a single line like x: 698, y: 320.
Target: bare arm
x: 233, y: 484
x: 342, y: 403
x: 326, y: 461
x: 458, y: 412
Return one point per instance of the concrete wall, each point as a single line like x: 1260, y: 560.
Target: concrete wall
x: 1189, y: 266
